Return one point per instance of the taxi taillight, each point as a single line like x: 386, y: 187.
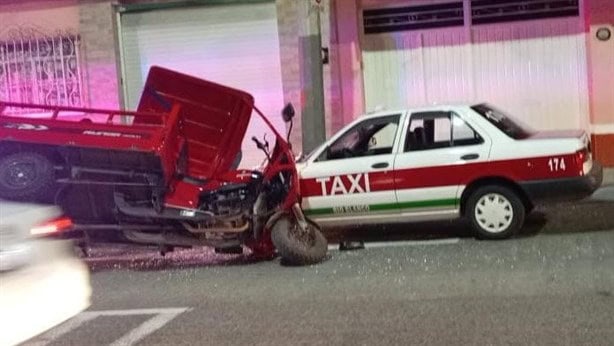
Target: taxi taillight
x: 52, y: 227
x: 583, y: 156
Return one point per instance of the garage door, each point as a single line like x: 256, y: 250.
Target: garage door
x: 234, y: 45
x: 535, y: 69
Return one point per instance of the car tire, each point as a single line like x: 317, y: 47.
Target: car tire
x: 295, y: 248
x: 495, y: 212
x: 26, y: 176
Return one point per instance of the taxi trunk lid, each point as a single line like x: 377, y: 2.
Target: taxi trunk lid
x: 580, y: 137
x: 558, y: 134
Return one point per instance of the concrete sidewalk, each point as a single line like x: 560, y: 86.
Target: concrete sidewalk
x: 608, y: 176
x: 605, y: 193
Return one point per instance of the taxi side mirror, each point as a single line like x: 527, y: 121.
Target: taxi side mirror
x: 288, y: 112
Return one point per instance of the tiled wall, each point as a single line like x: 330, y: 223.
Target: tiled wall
x: 97, y: 34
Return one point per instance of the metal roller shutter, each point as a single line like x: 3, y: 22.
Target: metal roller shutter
x: 236, y: 45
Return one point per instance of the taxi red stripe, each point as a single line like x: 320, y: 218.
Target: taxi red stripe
x: 525, y: 169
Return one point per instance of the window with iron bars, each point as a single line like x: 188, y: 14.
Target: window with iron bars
x: 40, y: 69
x: 498, y: 11
x: 451, y: 14
x: 413, y: 17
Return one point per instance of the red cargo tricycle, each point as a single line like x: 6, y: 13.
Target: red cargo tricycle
x: 164, y: 175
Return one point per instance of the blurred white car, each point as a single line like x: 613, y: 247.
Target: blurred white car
x: 42, y: 282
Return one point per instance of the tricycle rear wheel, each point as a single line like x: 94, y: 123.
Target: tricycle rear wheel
x: 297, y: 246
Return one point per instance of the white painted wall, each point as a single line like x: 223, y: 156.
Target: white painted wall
x: 536, y: 70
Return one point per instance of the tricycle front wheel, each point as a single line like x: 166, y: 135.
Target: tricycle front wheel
x: 297, y: 246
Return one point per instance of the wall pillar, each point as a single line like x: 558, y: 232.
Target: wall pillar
x: 346, y: 62
x: 600, y: 14
x: 312, y: 76
x: 98, y: 40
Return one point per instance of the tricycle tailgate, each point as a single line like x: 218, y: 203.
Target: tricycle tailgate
x: 213, y: 118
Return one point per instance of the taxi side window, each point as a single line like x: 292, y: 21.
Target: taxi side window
x: 434, y: 130
x: 367, y: 138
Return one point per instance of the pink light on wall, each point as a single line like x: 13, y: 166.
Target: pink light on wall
x: 600, y: 12
x: 102, y: 88
x: 346, y: 62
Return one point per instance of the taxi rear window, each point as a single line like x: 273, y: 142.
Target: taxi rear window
x: 504, y: 122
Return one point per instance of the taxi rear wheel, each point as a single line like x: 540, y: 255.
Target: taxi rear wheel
x: 495, y: 212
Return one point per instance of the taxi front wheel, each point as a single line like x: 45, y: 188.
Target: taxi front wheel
x: 495, y: 212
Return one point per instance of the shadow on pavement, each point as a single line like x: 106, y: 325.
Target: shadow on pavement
x: 104, y: 257
x: 586, y: 216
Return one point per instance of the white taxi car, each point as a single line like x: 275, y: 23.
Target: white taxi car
x: 444, y: 162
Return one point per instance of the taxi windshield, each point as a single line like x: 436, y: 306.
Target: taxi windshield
x: 305, y: 158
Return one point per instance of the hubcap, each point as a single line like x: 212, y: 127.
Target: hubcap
x: 494, y: 213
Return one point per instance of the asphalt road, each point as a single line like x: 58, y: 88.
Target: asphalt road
x: 554, y: 284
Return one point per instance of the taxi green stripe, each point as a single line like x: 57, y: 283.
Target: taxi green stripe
x: 390, y: 206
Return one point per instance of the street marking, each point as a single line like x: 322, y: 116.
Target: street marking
x: 447, y: 241
x: 133, y: 312
x: 62, y: 329
x: 385, y: 244
x: 161, y: 317
x: 146, y: 328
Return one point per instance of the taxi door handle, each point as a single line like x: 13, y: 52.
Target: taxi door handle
x: 470, y: 157
x: 380, y: 165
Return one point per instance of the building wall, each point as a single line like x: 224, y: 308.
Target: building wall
x: 287, y: 16
x: 600, y: 11
x: 93, y: 21
x: 98, y: 37
x: 33, y: 30
x: 600, y: 14
x: 344, y: 94
x: 347, y: 96
x: 48, y: 16
x: 292, y: 16
x: 600, y: 62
